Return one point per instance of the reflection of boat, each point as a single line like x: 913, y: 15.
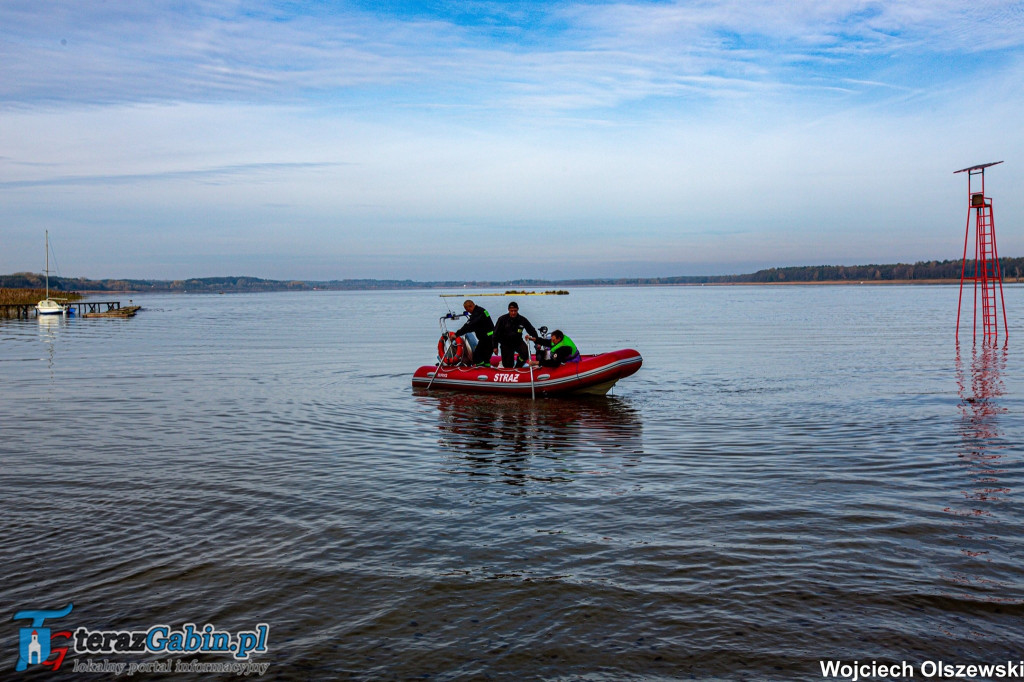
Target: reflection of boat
x: 49, y: 328
x: 593, y: 374
x: 520, y: 440
x: 49, y: 306
x: 50, y: 322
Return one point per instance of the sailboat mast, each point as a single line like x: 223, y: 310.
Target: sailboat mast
x: 47, y: 264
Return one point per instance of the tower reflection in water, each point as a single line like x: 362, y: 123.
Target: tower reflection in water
x: 523, y: 441
x: 982, y: 456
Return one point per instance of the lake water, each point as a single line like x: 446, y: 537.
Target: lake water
x: 796, y: 474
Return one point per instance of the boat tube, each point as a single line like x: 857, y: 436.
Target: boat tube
x: 590, y: 374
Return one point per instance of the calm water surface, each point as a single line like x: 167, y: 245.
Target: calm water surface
x: 795, y: 474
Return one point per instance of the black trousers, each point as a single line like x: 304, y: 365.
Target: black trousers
x: 509, y: 350
x: 483, y: 351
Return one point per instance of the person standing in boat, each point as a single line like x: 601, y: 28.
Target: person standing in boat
x: 508, y: 332
x: 479, y: 323
x: 562, y: 350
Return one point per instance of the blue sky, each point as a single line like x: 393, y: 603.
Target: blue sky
x: 437, y: 140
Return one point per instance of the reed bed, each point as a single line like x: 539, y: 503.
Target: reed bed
x: 33, y: 296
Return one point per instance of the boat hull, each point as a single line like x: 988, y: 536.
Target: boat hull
x: 593, y: 374
x: 50, y: 307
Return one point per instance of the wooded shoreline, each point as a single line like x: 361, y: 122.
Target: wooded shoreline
x: 922, y: 272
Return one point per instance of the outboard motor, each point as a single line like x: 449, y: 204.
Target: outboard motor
x: 543, y: 352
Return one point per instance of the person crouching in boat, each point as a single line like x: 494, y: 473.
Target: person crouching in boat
x: 562, y: 350
x: 479, y: 323
x: 508, y: 332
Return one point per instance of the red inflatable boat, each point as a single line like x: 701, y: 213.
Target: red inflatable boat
x: 593, y: 374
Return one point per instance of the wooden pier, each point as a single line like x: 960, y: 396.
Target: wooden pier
x: 80, y: 308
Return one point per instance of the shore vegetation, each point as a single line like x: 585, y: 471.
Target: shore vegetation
x: 33, y: 296
x: 921, y: 272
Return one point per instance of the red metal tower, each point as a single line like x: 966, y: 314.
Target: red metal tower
x: 986, y: 273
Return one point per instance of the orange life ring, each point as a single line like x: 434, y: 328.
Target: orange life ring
x: 451, y: 354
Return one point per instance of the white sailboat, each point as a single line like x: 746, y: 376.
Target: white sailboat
x: 49, y: 306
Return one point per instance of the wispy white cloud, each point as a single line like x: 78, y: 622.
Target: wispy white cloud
x: 575, y: 56
x: 939, y: 26
x: 629, y: 132
x: 209, y: 175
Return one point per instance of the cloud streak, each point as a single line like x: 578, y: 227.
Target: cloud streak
x: 571, y: 57
x: 700, y: 131
x: 205, y: 175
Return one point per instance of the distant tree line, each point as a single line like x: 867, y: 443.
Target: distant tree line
x: 31, y: 280
x: 203, y: 284
x: 922, y: 270
x: 1012, y: 268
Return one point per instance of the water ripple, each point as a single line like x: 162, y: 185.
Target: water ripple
x: 794, y: 475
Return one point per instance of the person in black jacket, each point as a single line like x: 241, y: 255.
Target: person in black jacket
x: 480, y: 324
x: 508, y: 332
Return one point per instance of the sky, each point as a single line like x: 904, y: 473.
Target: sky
x: 497, y: 140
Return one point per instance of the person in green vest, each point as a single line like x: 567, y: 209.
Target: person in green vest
x: 562, y: 350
